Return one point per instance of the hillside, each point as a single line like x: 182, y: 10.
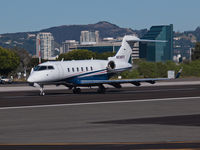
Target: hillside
x: 183, y: 41
x: 106, y: 29
x: 26, y: 40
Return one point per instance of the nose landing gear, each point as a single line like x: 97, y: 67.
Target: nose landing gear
x: 42, y: 93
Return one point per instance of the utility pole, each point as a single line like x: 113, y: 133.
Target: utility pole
x: 39, y: 52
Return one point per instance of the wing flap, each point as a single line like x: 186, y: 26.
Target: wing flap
x: 135, y: 82
x: 132, y: 81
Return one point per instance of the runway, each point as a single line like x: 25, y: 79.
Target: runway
x: 153, y: 114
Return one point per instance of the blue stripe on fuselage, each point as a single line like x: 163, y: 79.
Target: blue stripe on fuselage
x: 104, y: 76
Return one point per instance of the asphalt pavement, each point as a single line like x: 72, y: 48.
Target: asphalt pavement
x: 149, y: 115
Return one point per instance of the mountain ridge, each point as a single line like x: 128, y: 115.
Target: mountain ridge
x: 61, y: 33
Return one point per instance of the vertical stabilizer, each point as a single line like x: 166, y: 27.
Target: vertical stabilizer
x: 125, y: 51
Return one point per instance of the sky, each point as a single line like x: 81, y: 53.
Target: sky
x: 34, y: 15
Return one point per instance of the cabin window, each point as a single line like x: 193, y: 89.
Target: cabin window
x: 68, y: 69
x: 77, y: 69
x: 73, y: 69
x: 86, y: 68
x: 81, y: 68
x: 91, y: 68
x: 50, y: 67
x: 42, y: 68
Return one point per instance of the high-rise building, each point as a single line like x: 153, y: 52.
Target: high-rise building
x: 135, y: 51
x: 158, y: 51
x: 67, y: 45
x: 44, y: 45
x: 89, y: 37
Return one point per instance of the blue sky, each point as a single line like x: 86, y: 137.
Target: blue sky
x: 31, y: 15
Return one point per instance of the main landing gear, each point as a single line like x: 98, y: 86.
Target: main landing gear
x: 76, y: 90
x: 101, y: 89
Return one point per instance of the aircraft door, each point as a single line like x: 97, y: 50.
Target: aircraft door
x: 60, y: 72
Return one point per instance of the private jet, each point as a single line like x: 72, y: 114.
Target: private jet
x: 86, y: 73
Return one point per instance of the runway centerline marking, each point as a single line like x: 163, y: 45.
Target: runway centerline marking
x: 99, y: 103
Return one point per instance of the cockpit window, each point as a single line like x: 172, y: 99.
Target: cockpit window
x: 36, y: 68
x: 42, y: 68
x: 50, y: 68
x: 39, y: 68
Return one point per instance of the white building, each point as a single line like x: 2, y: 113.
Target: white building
x: 89, y: 37
x: 44, y: 45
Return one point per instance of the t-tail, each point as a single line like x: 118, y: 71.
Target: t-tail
x: 125, y: 51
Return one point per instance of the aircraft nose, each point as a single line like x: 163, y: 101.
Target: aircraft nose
x: 30, y: 79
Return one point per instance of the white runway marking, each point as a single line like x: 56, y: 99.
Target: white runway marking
x: 99, y: 103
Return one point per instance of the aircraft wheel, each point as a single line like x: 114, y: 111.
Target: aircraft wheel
x: 76, y: 90
x: 101, y: 90
x: 42, y: 94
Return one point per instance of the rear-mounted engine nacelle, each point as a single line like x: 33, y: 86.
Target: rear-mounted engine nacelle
x: 111, y: 65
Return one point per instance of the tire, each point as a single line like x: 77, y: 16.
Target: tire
x: 101, y: 90
x: 76, y: 90
x: 42, y: 94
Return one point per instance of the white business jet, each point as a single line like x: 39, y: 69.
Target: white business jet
x: 77, y: 73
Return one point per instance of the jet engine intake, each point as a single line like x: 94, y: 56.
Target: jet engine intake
x: 111, y: 65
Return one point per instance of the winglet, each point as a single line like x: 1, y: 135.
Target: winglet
x: 179, y: 73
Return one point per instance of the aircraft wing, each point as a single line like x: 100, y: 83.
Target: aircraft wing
x: 132, y: 81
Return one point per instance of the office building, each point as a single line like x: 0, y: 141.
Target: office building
x: 135, y: 51
x: 44, y: 45
x: 67, y: 45
x: 89, y: 37
x: 157, y: 51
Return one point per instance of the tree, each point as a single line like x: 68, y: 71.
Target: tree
x: 33, y: 63
x: 130, y: 74
x: 104, y: 55
x: 9, y: 61
x: 77, y: 55
x: 147, y: 69
x: 161, y: 69
x: 25, y: 58
x: 84, y: 54
x: 196, y: 51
